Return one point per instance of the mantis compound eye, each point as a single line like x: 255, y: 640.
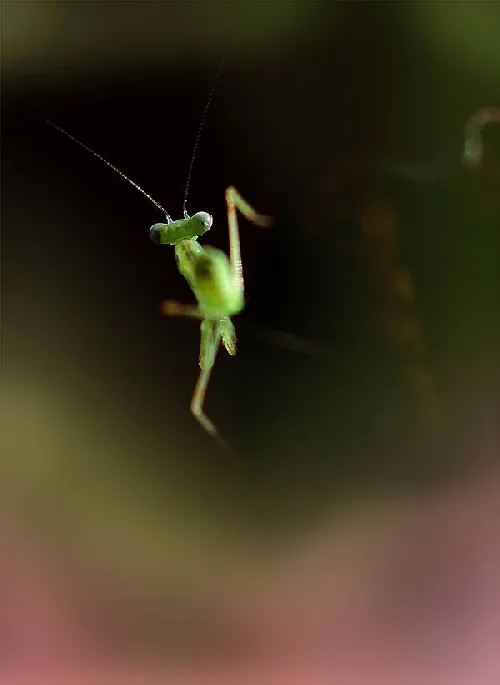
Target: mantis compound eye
x: 155, y: 233
x: 205, y: 221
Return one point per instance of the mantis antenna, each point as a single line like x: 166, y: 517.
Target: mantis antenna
x: 120, y: 173
x: 198, y: 136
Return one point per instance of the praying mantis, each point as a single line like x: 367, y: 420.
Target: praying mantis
x: 215, y: 278
x: 216, y: 282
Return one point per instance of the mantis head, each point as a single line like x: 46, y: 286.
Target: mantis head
x: 183, y: 229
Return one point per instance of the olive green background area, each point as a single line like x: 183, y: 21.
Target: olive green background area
x: 99, y: 439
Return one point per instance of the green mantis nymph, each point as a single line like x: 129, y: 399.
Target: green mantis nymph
x: 215, y: 279
x: 216, y: 282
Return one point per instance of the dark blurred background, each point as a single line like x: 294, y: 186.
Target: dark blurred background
x: 344, y: 121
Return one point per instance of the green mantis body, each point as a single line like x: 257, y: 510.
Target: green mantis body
x: 216, y: 281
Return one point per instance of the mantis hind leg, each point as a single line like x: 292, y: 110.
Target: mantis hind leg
x: 210, y: 337
x: 209, y: 345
